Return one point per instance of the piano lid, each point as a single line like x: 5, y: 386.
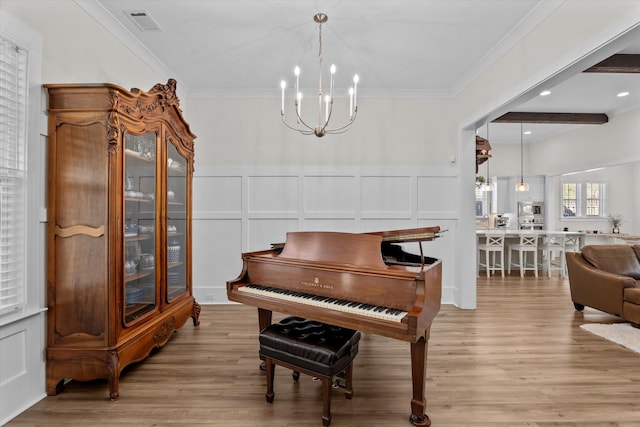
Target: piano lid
x: 334, y: 247
x: 363, y: 249
x: 409, y: 234
x: 397, y: 236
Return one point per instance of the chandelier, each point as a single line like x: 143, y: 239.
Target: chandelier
x: 325, y: 101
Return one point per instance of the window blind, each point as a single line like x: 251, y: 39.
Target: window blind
x: 13, y: 96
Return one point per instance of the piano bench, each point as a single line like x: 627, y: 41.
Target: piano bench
x: 313, y: 348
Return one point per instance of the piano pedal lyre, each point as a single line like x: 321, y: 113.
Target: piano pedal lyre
x: 339, y: 380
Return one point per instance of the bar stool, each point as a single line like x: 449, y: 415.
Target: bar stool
x: 493, y: 245
x: 528, y: 244
x: 571, y: 244
x: 553, y: 244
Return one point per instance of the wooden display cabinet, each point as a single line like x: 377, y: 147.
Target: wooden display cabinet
x: 120, y: 167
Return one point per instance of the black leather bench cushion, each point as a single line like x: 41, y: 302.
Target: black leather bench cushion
x: 316, y: 346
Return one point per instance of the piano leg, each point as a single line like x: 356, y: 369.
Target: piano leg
x: 264, y: 320
x: 418, y: 375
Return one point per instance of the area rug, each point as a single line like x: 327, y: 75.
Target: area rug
x: 619, y: 333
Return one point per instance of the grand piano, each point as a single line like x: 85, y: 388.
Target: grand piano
x: 367, y: 282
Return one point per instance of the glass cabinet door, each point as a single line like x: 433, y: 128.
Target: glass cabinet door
x: 140, y: 225
x: 176, y: 222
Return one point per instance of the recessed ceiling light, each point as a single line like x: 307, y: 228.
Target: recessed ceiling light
x: 545, y: 93
x: 621, y: 94
x: 527, y: 132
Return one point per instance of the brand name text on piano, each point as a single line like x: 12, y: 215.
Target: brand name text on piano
x: 316, y: 284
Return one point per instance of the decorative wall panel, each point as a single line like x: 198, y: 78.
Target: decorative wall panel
x: 331, y: 224
x: 22, y: 366
x: 218, y: 194
x: 261, y: 233
x: 13, y: 363
x: 217, y: 245
x: 334, y: 196
x: 386, y: 196
x: 259, y: 205
x: 438, y: 195
x: 272, y: 194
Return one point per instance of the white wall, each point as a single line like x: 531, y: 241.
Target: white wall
x: 387, y: 132
x: 248, y: 208
x: 76, y: 49
x: 586, y: 147
x: 613, y: 146
x: 387, y: 172
x: 573, y: 31
x: 622, y: 195
x: 22, y: 362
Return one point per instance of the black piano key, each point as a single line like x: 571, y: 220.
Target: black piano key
x: 338, y: 302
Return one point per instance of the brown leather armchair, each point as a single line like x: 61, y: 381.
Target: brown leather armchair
x: 605, y: 277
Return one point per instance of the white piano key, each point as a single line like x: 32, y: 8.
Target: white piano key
x: 354, y: 307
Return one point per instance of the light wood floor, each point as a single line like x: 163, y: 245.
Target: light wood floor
x: 520, y: 359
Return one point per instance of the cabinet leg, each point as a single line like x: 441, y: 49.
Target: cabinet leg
x: 195, y: 314
x: 54, y: 386
x: 114, y: 375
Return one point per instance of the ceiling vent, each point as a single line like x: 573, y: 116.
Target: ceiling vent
x: 143, y: 20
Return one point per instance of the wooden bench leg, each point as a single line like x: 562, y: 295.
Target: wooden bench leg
x: 326, y: 399
x: 270, y: 368
x: 348, y: 392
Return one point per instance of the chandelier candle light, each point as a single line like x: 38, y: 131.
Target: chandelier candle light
x: 321, y: 128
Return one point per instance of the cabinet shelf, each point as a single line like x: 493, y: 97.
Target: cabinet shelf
x: 174, y: 291
x: 178, y: 169
x: 139, y: 156
x: 134, y: 311
x: 138, y: 199
x: 138, y: 237
x: 140, y: 274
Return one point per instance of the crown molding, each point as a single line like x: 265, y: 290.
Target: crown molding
x: 98, y: 12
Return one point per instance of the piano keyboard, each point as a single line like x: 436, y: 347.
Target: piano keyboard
x: 354, y: 307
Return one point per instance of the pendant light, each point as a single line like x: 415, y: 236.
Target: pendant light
x: 521, y: 186
x: 487, y: 184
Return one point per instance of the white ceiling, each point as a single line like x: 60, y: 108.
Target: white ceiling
x: 399, y: 48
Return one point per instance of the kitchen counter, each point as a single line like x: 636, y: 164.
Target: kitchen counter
x: 510, y: 232
x: 513, y: 234
x: 610, y: 238
x: 583, y: 237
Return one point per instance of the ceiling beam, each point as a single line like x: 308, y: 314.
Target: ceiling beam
x: 553, y: 118
x: 618, y: 63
